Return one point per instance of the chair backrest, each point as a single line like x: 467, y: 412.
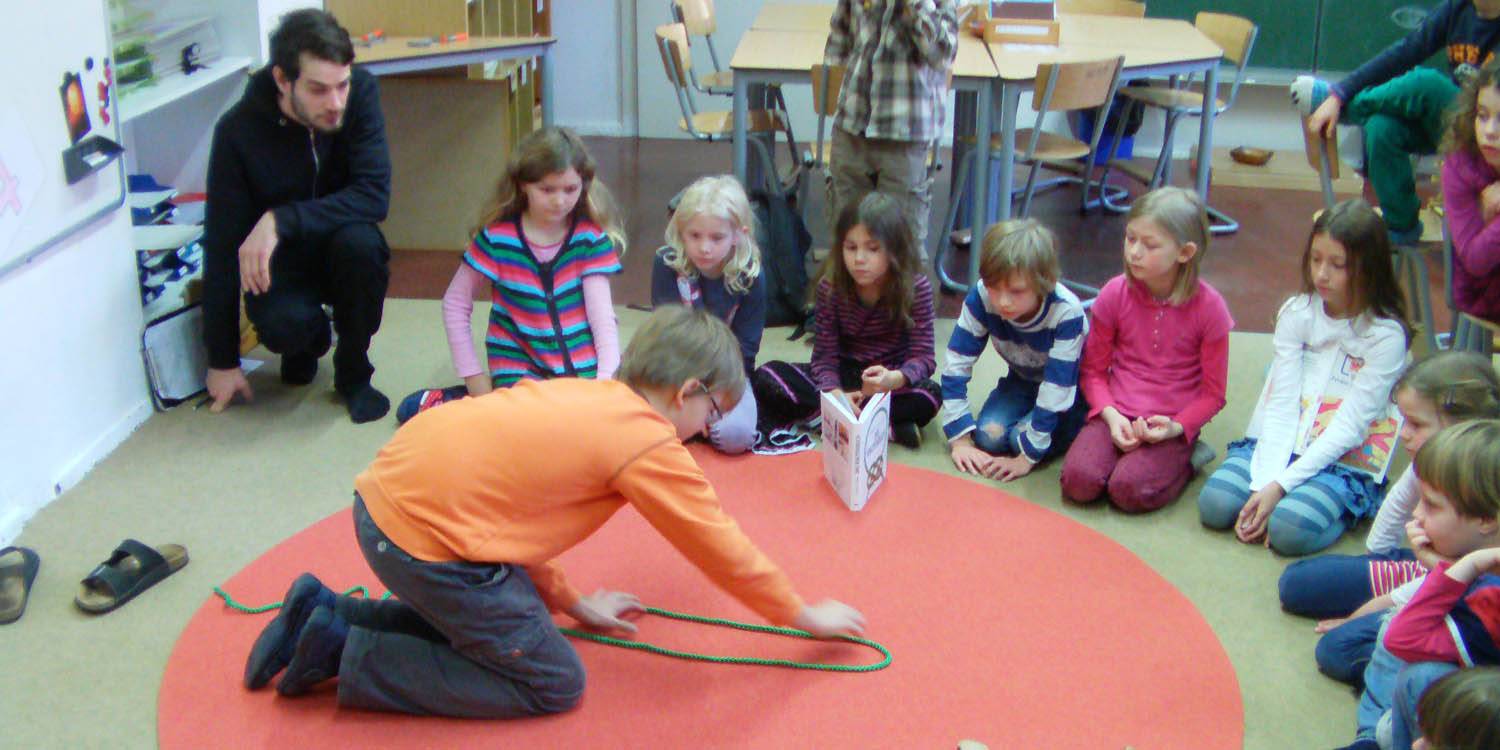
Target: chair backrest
x: 1075, y: 85
x: 1236, y: 36
x: 697, y: 16
x: 671, y: 42
x: 1130, y: 8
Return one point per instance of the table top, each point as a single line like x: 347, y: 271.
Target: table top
x: 794, y: 16
x: 790, y: 50
x: 396, y: 47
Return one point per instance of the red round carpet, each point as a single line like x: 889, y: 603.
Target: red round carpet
x: 1007, y: 622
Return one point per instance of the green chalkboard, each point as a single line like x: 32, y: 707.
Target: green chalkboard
x: 1286, y: 38
x: 1308, y: 35
x: 1354, y: 31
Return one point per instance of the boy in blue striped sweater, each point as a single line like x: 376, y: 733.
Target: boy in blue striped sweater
x: 1038, y: 327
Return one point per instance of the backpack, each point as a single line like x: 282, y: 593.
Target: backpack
x: 784, y: 242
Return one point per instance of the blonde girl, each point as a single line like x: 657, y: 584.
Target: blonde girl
x: 547, y: 243
x: 873, y: 327
x: 711, y: 262
x: 1155, y: 362
x: 1348, y: 326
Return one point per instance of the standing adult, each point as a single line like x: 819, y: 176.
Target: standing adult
x: 298, y: 177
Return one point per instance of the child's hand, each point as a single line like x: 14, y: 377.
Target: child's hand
x: 1121, y: 431
x: 604, y: 610
x: 856, y: 400
x: 1255, y: 517
x: 829, y: 618
x: 1155, y: 429
x: 1489, y: 201
x: 1421, y: 545
x: 968, y: 458
x: 1324, y: 626
x: 1006, y: 468
x: 878, y: 379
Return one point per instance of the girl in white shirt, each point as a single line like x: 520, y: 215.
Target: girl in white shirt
x: 1346, y: 327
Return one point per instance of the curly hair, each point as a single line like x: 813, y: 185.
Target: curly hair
x: 1460, y: 133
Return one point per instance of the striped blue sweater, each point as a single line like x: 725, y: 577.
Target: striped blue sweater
x: 1045, y: 349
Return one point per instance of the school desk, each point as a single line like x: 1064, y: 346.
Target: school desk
x: 396, y: 55
x: 793, y: 17
x: 1151, y: 46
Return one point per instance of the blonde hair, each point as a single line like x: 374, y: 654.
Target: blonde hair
x: 1020, y: 246
x: 720, y: 197
x: 1461, y: 711
x: 1460, y: 386
x: 1463, y: 463
x: 551, y: 150
x: 677, y: 344
x: 1182, y: 215
x: 883, y: 218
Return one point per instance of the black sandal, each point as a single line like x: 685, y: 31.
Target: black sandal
x: 18, y: 567
x: 131, y: 568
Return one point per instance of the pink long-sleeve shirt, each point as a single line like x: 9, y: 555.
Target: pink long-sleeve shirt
x: 1476, y: 243
x: 1145, y: 356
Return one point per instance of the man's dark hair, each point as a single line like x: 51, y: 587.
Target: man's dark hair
x: 312, y: 31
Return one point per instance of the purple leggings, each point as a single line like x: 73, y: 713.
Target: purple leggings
x: 1137, y: 481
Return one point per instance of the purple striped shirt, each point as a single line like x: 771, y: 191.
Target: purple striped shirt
x: 847, y: 330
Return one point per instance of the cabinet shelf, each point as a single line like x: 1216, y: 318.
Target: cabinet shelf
x: 144, y: 100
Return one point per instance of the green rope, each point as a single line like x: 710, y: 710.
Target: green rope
x: 622, y: 643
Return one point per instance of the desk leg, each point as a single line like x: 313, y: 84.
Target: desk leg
x: 979, y: 203
x: 1206, y: 129
x: 547, y: 100
x: 741, y: 115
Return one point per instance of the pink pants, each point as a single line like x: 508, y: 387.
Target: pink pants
x: 1137, y: 481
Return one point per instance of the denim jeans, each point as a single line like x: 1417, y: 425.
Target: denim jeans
x: 1380, y: 683
x: 998, y: 425
x: 1411, y: 682
x: 1344, y: 652
x: 502, y: 657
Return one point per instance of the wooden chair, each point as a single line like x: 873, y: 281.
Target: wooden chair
x: 1236, y: 36
x: 1410, y: 263
x: 1129, y: 8
x: 710, y: 125
x: 697, y: 17
x: 1059, y: 87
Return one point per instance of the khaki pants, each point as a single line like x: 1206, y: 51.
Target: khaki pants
x: 858, y: 165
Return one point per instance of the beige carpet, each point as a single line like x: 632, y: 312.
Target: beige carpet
x: 231, y: 486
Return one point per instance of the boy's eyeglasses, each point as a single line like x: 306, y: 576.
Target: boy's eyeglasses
x: 714, y: 412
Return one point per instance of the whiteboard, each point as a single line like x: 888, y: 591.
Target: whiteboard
x: 56, y: 98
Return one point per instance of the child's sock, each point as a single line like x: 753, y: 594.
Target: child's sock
x: 1308, y: 92
x: 365, y: 403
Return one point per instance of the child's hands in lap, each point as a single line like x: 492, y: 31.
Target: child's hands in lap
x: 1155, y: 429
x: 605, y: 610
x: 1324, y: 626
x: 878, y: 379
x: 1256, y: 515
x: 1121, y: 431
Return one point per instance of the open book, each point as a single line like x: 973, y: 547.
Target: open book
x: 1373, y: 456
x: 855, y: 445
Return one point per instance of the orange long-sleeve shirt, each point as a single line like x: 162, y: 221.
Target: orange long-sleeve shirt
x: 523, y: 473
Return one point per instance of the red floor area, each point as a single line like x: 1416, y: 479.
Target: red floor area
x: 1008, y: 623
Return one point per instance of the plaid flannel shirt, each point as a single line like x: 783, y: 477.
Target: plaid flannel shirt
x: 897, y: 54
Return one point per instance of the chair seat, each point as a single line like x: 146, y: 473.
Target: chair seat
x: 1049, y: 147
x: 721, y: 122
x: 721, y: 82
x: 1168, y: 98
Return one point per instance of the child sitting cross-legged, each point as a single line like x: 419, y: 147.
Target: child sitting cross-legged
x: 1038, y: 327
x: 462, y: 513
x: 1458, y: 514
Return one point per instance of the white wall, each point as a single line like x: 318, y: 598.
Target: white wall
x: 589, y: 62
x: 71, y: 371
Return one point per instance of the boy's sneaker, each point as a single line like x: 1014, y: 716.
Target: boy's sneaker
x: 319, y: 648
x: 1308, y: 92
x: 425, y: 399
x: 274, y: 647
x: 907, y: 434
